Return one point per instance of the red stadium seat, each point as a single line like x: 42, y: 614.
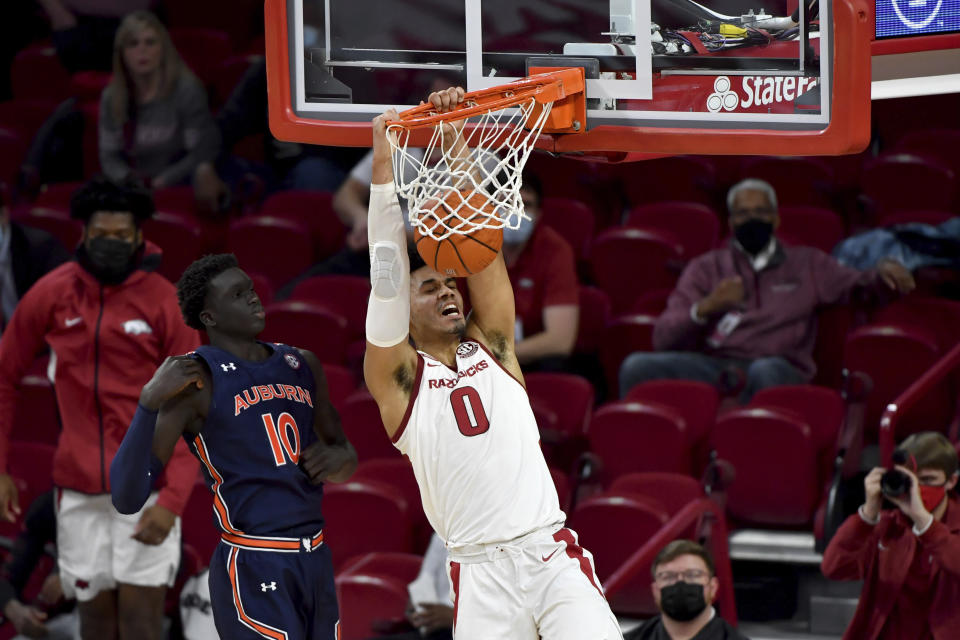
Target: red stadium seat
x: 570, y: 399
x: 810, y: 227
x: 937, y: 315
x: 402, y: 567
x: 573, y: 220
x: 362, y: 517
x: 894, y: 356
x: 651, y: 303
x: 697, y: 402
x: 634, y: 436
x: 279, y: 249
x: 622, y: 336
x: 87, y: 86
x: 364, y: 599
x: 59, y: 224
x: 398, y: 473
x: 178, y: 201
x: 775, y: 462
x: 613, y: 528
x: 693, y: 178
x: 239, y: 19
x: 14, y: 144
x: 199, y: 530
x: 695, y: 225
x: 594, y: 315
x: 364, y: 428
x: 579, y: 181
x: 922, y: 217
x: 36, y: 73
x: 341, y: 384
x: 25, y: 116
x: 821, y: 408
x: 344, y: 295
x: 673, y: 491
x: 308, y: 327
x: 628, y: 262
x: 833, y: 324
x: 178, y: 238
x: 941, y: 144
x: 57, y: 196
x: 36, y: 417
x: 797, y: 181
x: 898, y: 181
x: 315, y: 210
x: 203, y: 50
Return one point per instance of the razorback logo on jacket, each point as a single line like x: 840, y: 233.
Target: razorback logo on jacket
x: 136, y: 327
x: 264, y: 392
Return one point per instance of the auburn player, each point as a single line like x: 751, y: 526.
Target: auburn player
x: 456, y: 405
x: 259, y: 418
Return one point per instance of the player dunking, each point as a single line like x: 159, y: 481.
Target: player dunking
x: 457, y: 407
x: 259, y: 418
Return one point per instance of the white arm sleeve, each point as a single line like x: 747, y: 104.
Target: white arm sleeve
x: 388, y: 311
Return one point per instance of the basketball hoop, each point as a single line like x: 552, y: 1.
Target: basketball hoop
x: 461, y: 188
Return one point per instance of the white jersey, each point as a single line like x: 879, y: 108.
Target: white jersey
x: 475, y: 448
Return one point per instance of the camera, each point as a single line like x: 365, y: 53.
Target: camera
x: 894, y: 483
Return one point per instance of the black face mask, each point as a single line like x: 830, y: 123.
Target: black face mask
x: 682, y: 601
x: 109, y: 258
x: 753, y: 235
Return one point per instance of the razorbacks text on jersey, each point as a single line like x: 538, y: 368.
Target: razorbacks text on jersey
x: 260, y: 419
x: 475, y: 448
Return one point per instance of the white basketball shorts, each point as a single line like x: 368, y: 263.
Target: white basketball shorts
x: 96, y: 551
x: 542, y: 585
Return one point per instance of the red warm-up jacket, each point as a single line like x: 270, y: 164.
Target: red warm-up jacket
x: 881, y: 555
x: 107, y: 341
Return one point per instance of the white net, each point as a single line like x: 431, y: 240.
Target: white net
x: 456, y: 188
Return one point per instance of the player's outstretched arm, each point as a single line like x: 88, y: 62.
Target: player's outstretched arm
x: 332, y: 458
x: 493, y: 315
x: 169, y: 405
x: 390, y: 363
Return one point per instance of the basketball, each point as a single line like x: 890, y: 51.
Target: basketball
x: 459, y: 254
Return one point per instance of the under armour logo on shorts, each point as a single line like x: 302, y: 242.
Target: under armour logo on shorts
x: 228, y: 367
x: 264, y: 586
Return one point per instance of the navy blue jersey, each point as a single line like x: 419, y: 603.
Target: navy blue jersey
x: 260, y: 419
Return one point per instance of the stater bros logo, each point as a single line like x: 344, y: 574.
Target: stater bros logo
x: 756, y: 91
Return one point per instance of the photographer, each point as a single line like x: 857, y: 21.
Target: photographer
x: 907, y: 557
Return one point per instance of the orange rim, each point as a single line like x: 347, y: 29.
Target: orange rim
x: 542, y: 87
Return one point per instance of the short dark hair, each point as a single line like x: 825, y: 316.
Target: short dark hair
x: 101, y: 194
x: 192, y: 285
x: 679, y: 548
x: 532, y: 182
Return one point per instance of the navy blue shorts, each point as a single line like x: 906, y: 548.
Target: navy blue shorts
x: 275, y: 595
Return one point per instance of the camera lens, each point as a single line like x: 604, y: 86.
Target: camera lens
x: 894, y: 483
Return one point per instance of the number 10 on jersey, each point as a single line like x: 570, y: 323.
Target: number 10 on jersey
x: 284, y: 437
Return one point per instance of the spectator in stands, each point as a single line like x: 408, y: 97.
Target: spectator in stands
x: 84, y: 29
x: 39, y: 530
x: 155, y: 125
x: 543, y: 273
x: 747, y: 312
x: 430, y: 610
x: 110, y: 321
x: 26, y: 254
x: 684, y: 587
x: 907, y: 557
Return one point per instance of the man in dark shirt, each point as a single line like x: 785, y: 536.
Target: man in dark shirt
x: 684, y: 586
